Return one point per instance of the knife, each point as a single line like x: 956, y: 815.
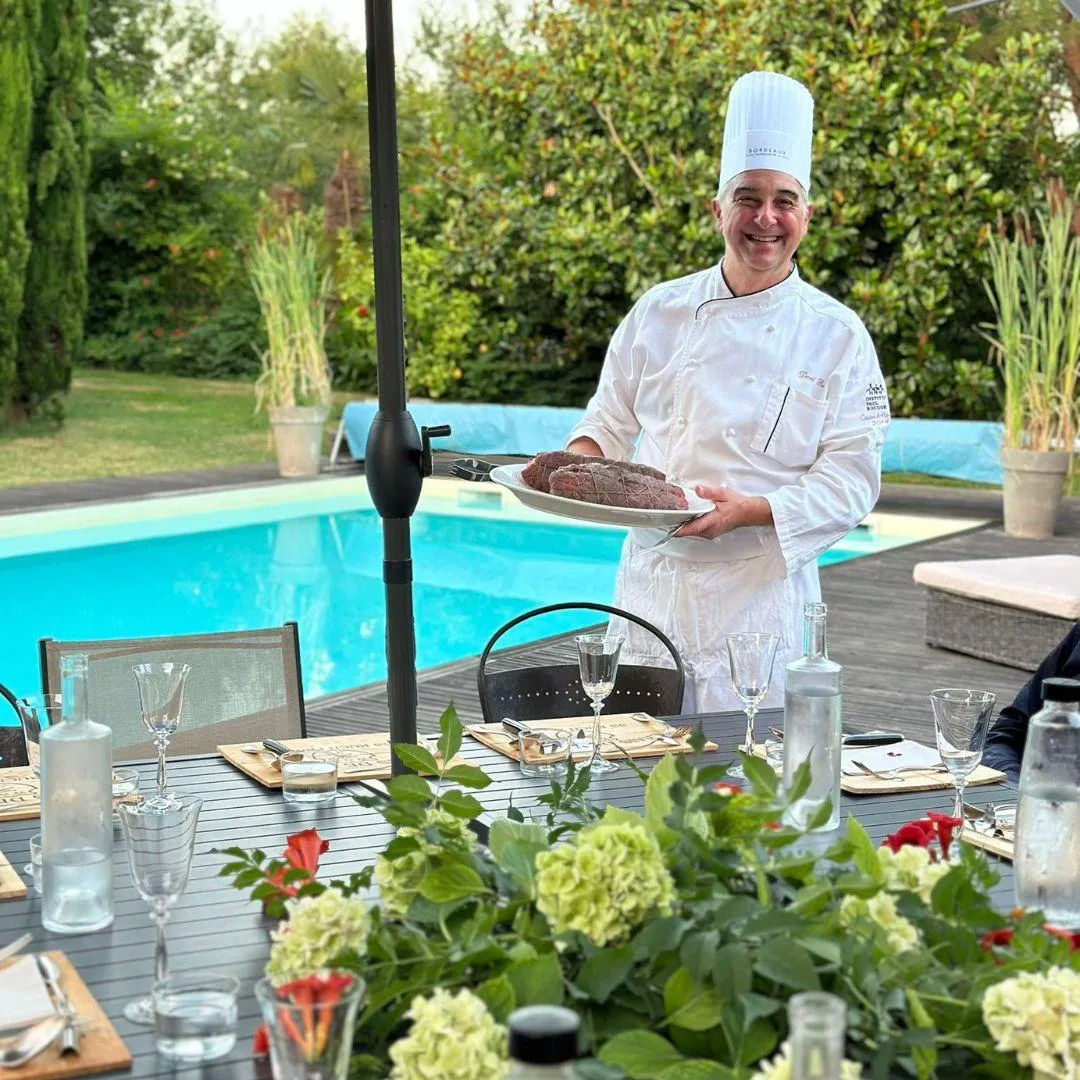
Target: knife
x: 69, y: 1037
x: 276, y: 747
x: 15, y: 946
x: 868, y: 738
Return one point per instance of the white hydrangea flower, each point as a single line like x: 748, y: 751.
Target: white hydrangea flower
x: 780, y: 1067
x: 900, y: 933
x: 318, y: 929
x: 911, y: 869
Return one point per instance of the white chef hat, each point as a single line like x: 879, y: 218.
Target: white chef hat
x: 770, y: 125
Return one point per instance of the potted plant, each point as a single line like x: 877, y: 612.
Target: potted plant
x: 1035, y: 290
x: 293, y: 288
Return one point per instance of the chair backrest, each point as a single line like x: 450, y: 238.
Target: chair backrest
x: 542, y: 682
x: 244, y: 686
x: 12, y: 744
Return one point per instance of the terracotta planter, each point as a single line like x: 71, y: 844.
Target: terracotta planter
x: 298, y: 434
x: 1034, y: 483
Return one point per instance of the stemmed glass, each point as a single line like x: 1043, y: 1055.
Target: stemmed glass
x: 159, y: 848
x: 750, y: 656
x: 961, y: 722
x: 161, y: 694
x: 598, y: 662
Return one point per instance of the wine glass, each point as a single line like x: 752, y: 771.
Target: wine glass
x: 159, y: 848
x: 598, y: 662
x: 161, y: 694
x: 961, y: 722
x: 750, y: 656
x: 36, y: 713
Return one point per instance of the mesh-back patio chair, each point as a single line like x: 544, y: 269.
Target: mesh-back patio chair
x: 12, y: 746
x: 244, y: 686
x: 541, y: 681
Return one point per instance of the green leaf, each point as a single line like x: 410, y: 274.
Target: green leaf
x: 450, y: 883
x: 640, y: 1054
x: 499, y: 997
x: 467, y: 776
x: 450, y: 742
x: 605, y: 970
x: 865, y: 854
x: 503, y: 831
x: 698, y: 952
x: 761, y: 775
x: 759, y: 1039
x: 690, y: 1005
x: 660, y: 936
x: 247, y: 877
x: 732, y: 975
x: 409, y: 789
x: 416, y: 758
x: 518, y: 859
x: 925, y: 1057
x: 756, y: 1006
x: 460, y: 805
x: 401, y: 845
x: 538, y: 981
x: 786, y: 962
x: 658, y: 802
x: 697, y: 1069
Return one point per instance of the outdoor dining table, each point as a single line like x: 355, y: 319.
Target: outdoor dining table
x: 216, y: 928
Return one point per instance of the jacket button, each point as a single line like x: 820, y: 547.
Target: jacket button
x: 751, y: 379
x: 770, y: 328
x: 730, y: 433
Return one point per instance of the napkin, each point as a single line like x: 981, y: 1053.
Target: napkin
x: 24, y: 998
x: 901, y: 755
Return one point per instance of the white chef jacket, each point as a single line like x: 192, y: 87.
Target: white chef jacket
x: 777, y: 394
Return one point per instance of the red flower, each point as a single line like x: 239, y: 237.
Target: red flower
x: 211, y: 254
x: 174, y: 249
x: 302, y: 852
x: 944, y: 826
x: 1065, y: 935
x: 260, y: 1042
x: 159, y: 331
x: 151, y: 184
x: 362, y: 311
x: 726, y: 789
x: 918, y: 833
x: 315, y: 996
x: 145, y: 283
x: 773, y: 825
x: 996, y: 937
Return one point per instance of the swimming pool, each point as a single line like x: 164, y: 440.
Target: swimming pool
x: 313, y: 553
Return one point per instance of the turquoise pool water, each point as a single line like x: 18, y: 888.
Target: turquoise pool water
x: 472, y: 574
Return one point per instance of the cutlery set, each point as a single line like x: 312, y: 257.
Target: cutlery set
x: 64, y: 1026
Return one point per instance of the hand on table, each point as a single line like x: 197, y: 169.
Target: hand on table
x: 733, y: 511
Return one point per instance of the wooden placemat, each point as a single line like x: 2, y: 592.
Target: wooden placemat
x: 20, y: 794
x: 12, y: 887
x: 996, y: 845
x: 915, y: 780
x: 359, y: 757
x: 624, y: 734
x: 100, y: 1048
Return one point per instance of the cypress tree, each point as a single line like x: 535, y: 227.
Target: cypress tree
x: 51, y: 330
x: 16, y: 40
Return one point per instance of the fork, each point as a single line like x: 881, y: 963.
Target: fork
x: 894, y: 775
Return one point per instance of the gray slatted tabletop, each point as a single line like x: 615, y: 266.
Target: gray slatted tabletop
x: 214, y: 927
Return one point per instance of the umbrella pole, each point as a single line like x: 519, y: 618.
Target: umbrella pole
x: 397, y: 456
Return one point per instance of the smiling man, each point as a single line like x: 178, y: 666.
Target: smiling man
x: 756, y: 389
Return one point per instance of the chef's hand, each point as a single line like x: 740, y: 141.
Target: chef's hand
x: 733, y: 511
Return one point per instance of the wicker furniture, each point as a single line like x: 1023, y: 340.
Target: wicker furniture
x: 1009, y: 611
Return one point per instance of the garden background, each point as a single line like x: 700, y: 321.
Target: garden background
x: 552, y: 168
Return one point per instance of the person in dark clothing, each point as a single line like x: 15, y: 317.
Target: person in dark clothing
x: 1005, y: 743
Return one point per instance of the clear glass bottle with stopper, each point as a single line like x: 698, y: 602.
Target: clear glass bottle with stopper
x: 1047, y: 837
x: 76, y: 812
x: 817, y: 1023
x: 544, y: 1041
x: 813, y: 688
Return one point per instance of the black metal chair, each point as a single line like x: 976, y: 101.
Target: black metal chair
x: 12, y: 746
x: 529, y: 691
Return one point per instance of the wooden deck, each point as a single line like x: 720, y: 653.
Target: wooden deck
x: 876, y: 621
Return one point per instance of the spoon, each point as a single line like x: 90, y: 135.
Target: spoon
x: 31, y: 1042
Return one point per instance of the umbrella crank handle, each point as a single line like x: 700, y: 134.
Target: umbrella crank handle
x: 426, y: 435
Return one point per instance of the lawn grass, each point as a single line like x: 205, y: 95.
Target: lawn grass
x: 129, y: 424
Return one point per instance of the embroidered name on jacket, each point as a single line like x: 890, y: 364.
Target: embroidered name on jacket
x: 876, y: 404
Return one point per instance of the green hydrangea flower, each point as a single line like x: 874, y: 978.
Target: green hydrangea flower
x: 900, y: 933
x: 780, y: 1067
x: 604, y: 883
x: 453, y: 1037
x: 398, y: 879
x: 318, y: 929
x: 911, y: 869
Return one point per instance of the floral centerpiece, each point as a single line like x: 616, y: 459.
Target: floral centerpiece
x: 678, y: 934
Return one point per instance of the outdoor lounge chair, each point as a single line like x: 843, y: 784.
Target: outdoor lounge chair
x: 244, y: 686
x: 1011, y: 611
x: 540, y: 680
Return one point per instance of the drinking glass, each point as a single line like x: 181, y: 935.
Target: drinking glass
x: 159, y: 848
x: 33, y: 868
x: 310, y: 783
x: 961, y: 721
x: 161, y: 694
x: 313, y: 1040
x: 750, y: 657
x: 195, y: 1016
x: 598, y: 662
x: 36, y: 713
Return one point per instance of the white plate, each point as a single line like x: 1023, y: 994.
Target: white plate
x: 509, y: 476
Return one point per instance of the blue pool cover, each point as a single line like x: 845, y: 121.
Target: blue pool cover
x: 957, y: 449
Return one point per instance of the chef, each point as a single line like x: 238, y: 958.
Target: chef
x: 758, y: 391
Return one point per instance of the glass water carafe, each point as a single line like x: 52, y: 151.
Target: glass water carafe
x: 813, y: 685
x: 1047, y: 839
x: 76, y: 812
x: 818, y: 1025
